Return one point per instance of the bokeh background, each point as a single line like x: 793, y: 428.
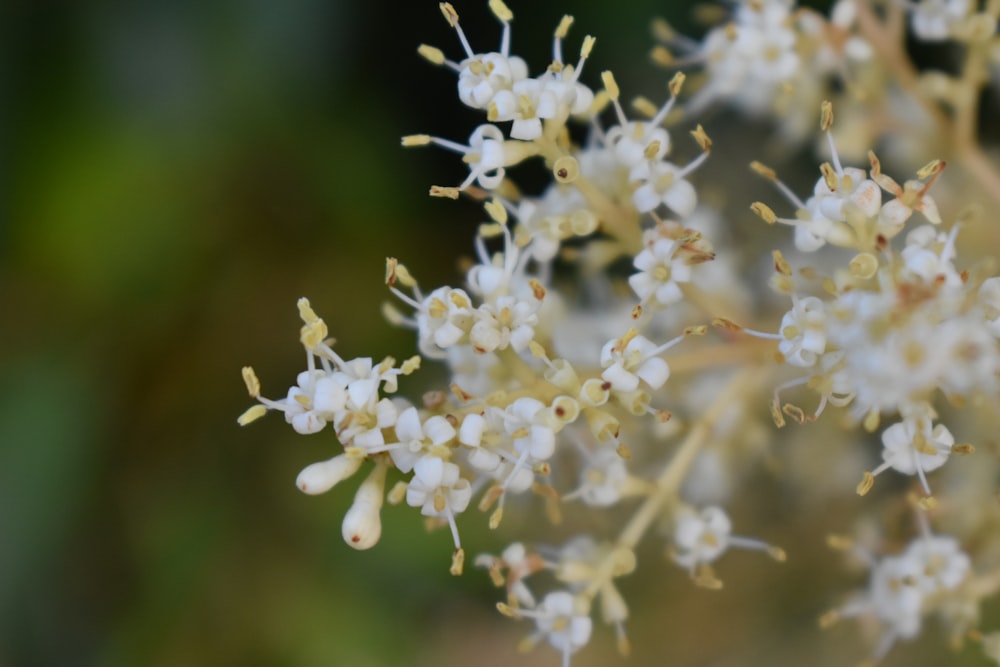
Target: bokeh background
x: 174, y: 176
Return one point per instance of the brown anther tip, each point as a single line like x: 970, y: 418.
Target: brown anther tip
x: 390, y: 270
x: 725, y: 323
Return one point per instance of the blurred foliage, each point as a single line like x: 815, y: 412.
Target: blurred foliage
x: 175, y: 175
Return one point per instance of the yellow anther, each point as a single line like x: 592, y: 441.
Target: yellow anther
x: 306, y: 312
x: 866, y: 483
x: 496, y: 211
x: 563, y: 28
x: 588, y: 46
x: 825, y: 115
x: 725, y: 323
x: 505, y: 609
x: 431, y: 53
x: 764, y: 212
x: 932, y: 168
x: 610, y: 85
x: 839, y: 542
x: 780, y: 264
x: 501, y: 11
x: 676, y: 83
x: 449, y: 13
x: 411, y: 364
x: 829, y: 176
x: 440, y: 191
x: 762, y: 169
x: 644, y: 106
x: 871, y: 420
x: 251, y: 415
x: 251, y: 381
x: 779, y: 419
x: 397, y: 493
x: 795, y: 412
x: 416, y: 140
x: 457, y: 562
x: 662, y: 30
x: 829, y: 619
x: 704, y: 142
x: 313, y: 334
x: 661, y: 56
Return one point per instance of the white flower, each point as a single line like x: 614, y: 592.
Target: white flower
x: 631, y: 140
x: 520, y: 564
x: 701, y: 536
x: 904, y: 587
x: 852, y: 187
x: 941, y: 563
x: 935, y: 20
x: 914, y: 446
x: 624, y: 367
x: 415, y: 437
x: 525, y: 421
x: 483, y: 76
x: 603, y: 479
x: 660, y: 272
x: 895, y: 598
x: 662, y: 182
x: 438, y: 489
x: 312, y: 402
x: 561, y: 212
x: 507, y: 321
x: 803, y: 332
x: 929, y: 255
x: 562, y: 622
x: 443, y: 320
x: 751, y: 57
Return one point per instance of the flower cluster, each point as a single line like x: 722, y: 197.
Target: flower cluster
x: 582, y: 324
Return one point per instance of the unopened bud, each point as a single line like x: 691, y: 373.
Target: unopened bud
x: 322, y: 476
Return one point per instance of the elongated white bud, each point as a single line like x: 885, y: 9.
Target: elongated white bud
x: 322, y: 476
x: 362, y: 525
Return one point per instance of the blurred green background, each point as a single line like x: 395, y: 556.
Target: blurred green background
x: 175, y: 176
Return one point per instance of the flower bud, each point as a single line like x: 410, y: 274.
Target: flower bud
x: 362, y: 525
x: 322, y: 476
